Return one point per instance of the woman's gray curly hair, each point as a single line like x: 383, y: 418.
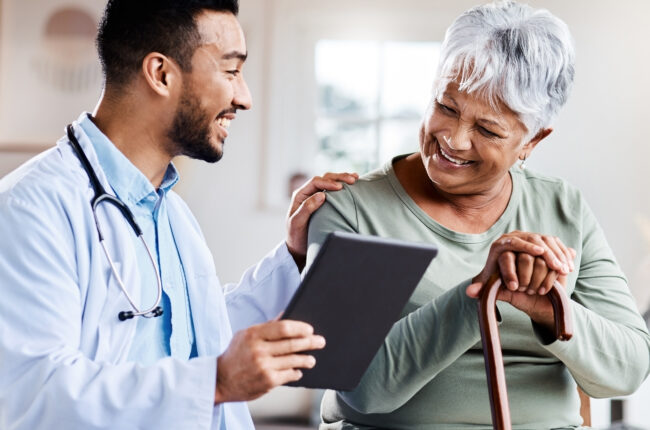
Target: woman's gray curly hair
x: 509, y: 52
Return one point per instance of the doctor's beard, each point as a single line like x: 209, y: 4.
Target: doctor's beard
x: 190, y: 130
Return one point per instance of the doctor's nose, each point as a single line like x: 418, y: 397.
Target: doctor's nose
x: 242, y: 98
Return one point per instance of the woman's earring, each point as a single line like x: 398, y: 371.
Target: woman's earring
x: 522, y: 162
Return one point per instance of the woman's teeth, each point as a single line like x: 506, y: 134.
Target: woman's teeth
x: 223, y: 122
x: 452, y: 159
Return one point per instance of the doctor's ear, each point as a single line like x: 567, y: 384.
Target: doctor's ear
x: 161, y: 73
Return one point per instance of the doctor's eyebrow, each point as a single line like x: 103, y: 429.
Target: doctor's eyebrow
x: 235, y: 54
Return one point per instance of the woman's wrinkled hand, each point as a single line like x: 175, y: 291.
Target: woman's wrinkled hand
x: 529, y: 264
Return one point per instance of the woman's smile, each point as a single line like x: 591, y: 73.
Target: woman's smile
x: 445, y: 158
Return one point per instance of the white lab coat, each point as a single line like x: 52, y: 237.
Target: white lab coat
x: 62, y: 349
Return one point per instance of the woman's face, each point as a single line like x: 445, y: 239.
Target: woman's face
x: 467, y: 146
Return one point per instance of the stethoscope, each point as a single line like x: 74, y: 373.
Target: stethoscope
x: 102, y: 196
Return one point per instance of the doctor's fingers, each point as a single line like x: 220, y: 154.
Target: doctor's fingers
x: 282, y: 329
x: 297, y: 344
x: 292, y: 361
x: 299, y: 218
x: 285, y: 376
x: 329, y: 181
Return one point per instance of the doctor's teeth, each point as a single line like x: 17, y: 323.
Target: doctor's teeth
x: 225, y: 123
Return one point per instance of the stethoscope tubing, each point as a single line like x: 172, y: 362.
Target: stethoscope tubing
x: 102, y: 196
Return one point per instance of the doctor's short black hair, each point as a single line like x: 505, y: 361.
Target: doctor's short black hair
x: 131, y: 29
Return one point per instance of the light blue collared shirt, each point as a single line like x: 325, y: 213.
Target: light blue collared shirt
x: 171, y: 334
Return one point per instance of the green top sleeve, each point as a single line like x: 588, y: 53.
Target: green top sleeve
x: 609, y: 354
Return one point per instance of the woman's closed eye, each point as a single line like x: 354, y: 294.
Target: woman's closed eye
x: 445, y: 109
x: 487, y: 133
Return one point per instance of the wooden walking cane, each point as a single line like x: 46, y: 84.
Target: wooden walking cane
x: 492, y: 344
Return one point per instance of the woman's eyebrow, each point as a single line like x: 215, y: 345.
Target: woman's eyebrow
x: 447, y: 95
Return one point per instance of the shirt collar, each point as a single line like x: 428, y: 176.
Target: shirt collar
x: 127, y: 181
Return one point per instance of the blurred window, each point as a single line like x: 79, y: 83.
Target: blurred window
x: 371, y: 98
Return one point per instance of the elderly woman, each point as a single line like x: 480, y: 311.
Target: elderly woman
x: 505, y: 71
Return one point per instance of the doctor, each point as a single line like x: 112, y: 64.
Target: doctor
x: 133, y: 332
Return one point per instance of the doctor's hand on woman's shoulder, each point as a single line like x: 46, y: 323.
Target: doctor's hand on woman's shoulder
x: 304, y: 202
x: 529, y: 265
x: 264, y: 356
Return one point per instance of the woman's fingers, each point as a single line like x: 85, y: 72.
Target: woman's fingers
x: 569, y: 254
x: 505, y: 244
x: 517, y: 244
x: 508, y: 270
x: 548, y: 283
x: 540, y: 271
x: 552, y: 257
x: 524, y: 270
x: 524, y: 260
x: 556, y: 246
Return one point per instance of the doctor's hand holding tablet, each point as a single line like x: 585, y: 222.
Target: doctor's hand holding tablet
x: 271, y: 354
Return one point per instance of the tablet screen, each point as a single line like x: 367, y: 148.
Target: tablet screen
x: 352, y: 295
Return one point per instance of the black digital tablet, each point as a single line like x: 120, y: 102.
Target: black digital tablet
x: 352, y: 295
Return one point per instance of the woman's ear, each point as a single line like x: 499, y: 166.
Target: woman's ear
x: 161, y: 73
x: 532, y: 143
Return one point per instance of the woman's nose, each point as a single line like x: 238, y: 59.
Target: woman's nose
x: 458, y: 140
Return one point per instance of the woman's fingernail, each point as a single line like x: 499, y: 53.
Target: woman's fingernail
x: 512, y: 285
x: 542, y: 291
x: 530, y: 292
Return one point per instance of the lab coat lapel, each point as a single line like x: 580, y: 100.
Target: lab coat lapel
x: 211, y: 326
